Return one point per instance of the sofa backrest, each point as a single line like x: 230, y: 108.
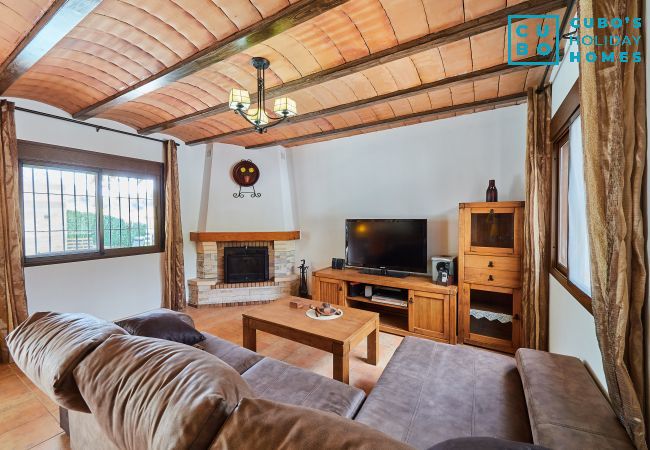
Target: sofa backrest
x: 565, y: 406
x: 48, y: 346
x: 152, y: 394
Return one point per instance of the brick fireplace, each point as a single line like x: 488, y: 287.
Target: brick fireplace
x: 210, y: 287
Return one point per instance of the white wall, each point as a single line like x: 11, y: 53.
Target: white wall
x: 273, y: 211
x: 116, y: 287
x: 419, y: 171
x: 572, y: 330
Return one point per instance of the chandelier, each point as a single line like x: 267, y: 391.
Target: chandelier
x: 240, y: 102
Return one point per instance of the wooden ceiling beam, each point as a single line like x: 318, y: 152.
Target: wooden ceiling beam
x: 444, y: 83
x: 461, y: 31
x: 279, y: 22
x: 429, y: 114
x: 61, y: 17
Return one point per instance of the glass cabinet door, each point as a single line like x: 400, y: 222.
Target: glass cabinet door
x: 491, y: 313
x: 492, y: 230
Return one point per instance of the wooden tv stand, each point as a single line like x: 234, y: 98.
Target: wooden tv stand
x: 431, y: 310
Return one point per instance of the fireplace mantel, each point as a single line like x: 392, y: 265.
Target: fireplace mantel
x: 243, y: 236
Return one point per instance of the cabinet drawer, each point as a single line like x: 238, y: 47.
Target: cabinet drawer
x: 490, y: 277
x: 509, y: 263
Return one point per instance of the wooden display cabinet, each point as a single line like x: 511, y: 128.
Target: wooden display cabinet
x: 429, y: 312
x: 490, y: 274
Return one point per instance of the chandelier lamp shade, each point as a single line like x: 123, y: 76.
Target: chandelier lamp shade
x: 240, y: 102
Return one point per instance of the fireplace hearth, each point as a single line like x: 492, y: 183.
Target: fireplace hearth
x: 246, y: 264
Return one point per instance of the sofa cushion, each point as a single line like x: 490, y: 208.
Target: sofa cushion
x: 275, y: 380
x: 484, y: 443
x: 163, y: 324
x: 48, y: 346
x: 150, y: 393
x: 431, y: 392
x: 259, y: 424
x: 565, y: 405
x: 239, y: 358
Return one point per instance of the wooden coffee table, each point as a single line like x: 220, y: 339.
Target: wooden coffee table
x: 336, y: 336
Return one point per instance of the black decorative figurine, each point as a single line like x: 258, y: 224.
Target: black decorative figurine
x: 491, y: 195
x: 303, y: 291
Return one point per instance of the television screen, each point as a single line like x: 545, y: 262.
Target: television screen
x: 396, y: 244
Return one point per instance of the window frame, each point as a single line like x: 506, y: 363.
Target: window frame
x: 566, y: 114
x: 54, y: 156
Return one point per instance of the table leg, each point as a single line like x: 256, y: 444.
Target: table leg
x: 373, y: 347
x: 250, y: 335
x: 342, y: 364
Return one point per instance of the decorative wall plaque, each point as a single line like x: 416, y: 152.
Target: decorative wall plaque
x: 245, y: 173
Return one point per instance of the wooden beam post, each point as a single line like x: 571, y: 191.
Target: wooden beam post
x: 279, y: 22
x: 445, y: 83
x: 429, y: 114
x: 464, y: 30
x: 61, y: 17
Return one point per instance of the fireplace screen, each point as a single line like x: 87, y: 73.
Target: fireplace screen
x: 246, y: 264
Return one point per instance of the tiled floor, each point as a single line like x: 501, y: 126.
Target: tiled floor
x: 29, y: 419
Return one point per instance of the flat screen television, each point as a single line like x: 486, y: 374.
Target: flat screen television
x: 394, y: 244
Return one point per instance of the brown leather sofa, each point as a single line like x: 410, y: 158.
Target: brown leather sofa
x: 128, y: 392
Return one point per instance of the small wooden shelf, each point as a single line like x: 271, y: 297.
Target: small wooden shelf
x: 243, y: 236
x: 367, y: 300
x: 393, y: 323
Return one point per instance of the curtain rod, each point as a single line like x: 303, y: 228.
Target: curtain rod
x: 96, y: 127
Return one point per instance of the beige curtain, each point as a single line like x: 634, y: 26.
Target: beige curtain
x: 537, y: 220
x: 174, y: 276
x: 614, y: 128
x: 13, y: 302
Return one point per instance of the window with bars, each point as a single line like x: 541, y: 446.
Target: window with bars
x: 80, y: 205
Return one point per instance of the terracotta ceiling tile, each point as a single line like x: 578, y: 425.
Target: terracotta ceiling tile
x: 512, y: 83
x: 404, y: 73
x: 281, y: 68
x: 443, y: 14
x: 534, y: 77
x: 361, y: 86
x: 295, y: 52
x: 420, y: 102
x: 477, y: 8
x: 370, y: 18
x: 318, y: 43
x: 463, y: 93
x: 367, y: 115
x: 381, y: 78
x: 343, y: 32
x: 429, y: 65
x: 16, y: 20
x: 440, y: 98
x: 407, y: 17
x: 268, y: 7
x: 337, y: 121
x: 383, y: 111
x: 401, y: 107
x: 242, y: 13
x: 486, y: 89
x: 210, y: 17
x: 486, y: 48
x: 456, y: 57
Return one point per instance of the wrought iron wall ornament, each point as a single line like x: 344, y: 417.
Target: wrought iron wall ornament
x: 246, y: 173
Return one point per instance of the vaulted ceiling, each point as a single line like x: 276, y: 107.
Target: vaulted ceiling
x: 353, y: 66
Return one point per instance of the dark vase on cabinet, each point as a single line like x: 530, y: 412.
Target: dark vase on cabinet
x: 491, y: 194
x: 489, y: 281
